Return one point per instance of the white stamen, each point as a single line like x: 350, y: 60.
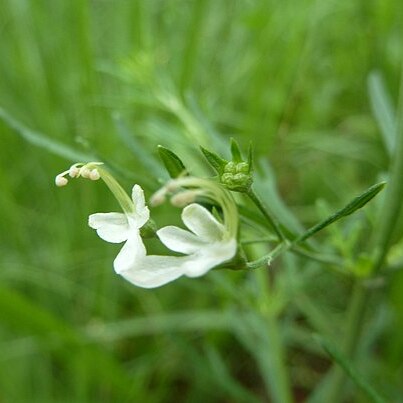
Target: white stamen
x: 171, y: 186
x: 74, y: 171
x: 85, y: 172
x: 158, y: 197
x: 61, y: 181
x: 182, y: 199
x: 94, y: 175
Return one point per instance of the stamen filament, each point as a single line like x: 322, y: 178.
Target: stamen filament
x: 95, y: 171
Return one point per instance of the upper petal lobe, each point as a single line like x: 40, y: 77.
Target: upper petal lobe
x: 111, y: 227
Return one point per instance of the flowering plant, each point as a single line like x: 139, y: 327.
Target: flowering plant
x: 212, y: 235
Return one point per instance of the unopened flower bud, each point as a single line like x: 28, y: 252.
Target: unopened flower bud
x: 243, y: 167
x: 230, y: 167
x: 239, y: 182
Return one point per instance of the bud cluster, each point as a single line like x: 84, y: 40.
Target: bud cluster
x: 236, y: 176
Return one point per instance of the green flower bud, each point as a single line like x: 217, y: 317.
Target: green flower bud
x: 243, y: 167
x: 235, y: 175
x: 230, y: 168
x: 238, y: 182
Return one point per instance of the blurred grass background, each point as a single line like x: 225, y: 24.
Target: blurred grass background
x: 111, y: 80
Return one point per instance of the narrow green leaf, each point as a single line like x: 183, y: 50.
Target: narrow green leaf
x: 383, y: 110
x: 357, y: 203
x: 349, y: 369
x: 172, y: 162
x: 250, y: 157
x: 42, y: 141
x: 235, y: 151
x: 214, y: 160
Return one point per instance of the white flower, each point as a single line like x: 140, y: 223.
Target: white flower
x: 119, y: 227
x: 206, y: 245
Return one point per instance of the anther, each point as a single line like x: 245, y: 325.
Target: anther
x: 61, y: 181
x: 172, y: 186
x: 74, y: 171
x: 158, y: 197
x: 182, y: 199
x: 94, y: 175
x: 85, y: 172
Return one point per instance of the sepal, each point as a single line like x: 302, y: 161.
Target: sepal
x: 172, y: 162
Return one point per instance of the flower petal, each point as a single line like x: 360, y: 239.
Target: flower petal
x: 132, y: 252
x: 209, y: 257
x: 111, y: 227
x: 141, y: 211
x: 155, y: 271
x: 200, y: 221
x: 180, y: 240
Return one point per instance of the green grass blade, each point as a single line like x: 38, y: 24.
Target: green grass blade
x: 350, y: 370
x: 159, y: 324
x: 42, y: 141
x: 382, y: 109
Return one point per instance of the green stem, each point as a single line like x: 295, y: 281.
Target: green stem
x: 292, y: 247
x: 260, y: 240
x: 266, y: 259
x: 272, y: 222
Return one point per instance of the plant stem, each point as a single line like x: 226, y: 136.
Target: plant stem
x: 260, y: 240
x: 292, y: 247
x: 266, y: 259
x: 272, y: 222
